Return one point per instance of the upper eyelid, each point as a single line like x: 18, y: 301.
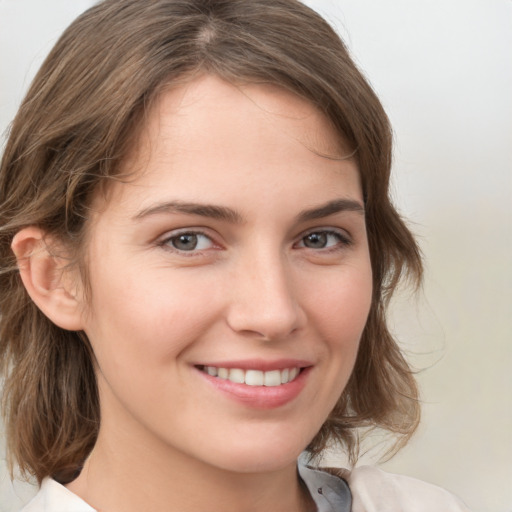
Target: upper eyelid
x: 181, y: 231
x: 169, y: 235
x: 345, y: 240
x: 326, y: 229
x: 199, y: 230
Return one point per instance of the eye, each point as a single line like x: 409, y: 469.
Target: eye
x: 189, y: 241
x: 323, y: 240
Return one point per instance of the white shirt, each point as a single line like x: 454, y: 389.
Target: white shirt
x: 369, y: 490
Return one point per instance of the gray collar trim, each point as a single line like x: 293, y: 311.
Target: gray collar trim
x: 330, y: 493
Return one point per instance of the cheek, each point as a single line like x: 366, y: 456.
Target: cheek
x: 338, y: 309
x: 340, y: 303
x: 140, y: 320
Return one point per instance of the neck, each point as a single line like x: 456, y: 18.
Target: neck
x: 121, y: 475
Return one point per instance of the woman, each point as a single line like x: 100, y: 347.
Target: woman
x: 197, y: 249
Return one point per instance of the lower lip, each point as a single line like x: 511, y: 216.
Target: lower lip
x: 260, y: 397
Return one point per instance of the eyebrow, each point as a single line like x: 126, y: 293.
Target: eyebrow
x: 234, y: 217
x: 330, y: 208
x: 203, y: 210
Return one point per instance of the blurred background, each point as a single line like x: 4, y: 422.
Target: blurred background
x: 443, y: 70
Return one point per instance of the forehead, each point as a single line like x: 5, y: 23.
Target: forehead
x: 209, y: 130
x: 202, y: 102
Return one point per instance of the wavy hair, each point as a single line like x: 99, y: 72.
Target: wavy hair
x: 74, y: 128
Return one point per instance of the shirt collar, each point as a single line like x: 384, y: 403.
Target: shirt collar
x: 330, y: 493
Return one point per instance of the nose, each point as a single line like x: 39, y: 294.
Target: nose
x: 263, y: 299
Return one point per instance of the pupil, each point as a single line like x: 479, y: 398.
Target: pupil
x: 316, y: 240
x: 186, y: 242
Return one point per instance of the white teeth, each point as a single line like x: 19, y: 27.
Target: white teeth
x: 236, y: 375
x: 272, y: 378
x: 254, y: 377
x: 293, y: 373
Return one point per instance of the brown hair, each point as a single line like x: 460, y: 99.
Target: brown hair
x: 69, y: 136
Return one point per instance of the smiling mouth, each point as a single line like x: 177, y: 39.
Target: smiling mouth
x: 271, y: 378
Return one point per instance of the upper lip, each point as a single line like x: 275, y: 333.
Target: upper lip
x: 259, y: 364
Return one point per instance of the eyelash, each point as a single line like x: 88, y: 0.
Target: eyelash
x: 167, y: 241
x: 343, y: 241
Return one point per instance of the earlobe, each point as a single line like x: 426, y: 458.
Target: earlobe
x: 50, y: 285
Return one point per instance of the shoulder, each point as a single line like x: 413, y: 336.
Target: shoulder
x: 374, y: 490
x: 54, y: 497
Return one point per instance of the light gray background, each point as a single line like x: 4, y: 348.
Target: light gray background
x: 443, y: 69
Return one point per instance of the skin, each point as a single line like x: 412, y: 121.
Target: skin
x: 259, y: 287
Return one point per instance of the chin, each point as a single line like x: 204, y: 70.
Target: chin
x: 260, y: 455
x: 256, y: 463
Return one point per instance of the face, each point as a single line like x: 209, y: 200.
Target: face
x: 230, y: 278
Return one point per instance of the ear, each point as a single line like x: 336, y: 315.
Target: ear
x: 51, y: 286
